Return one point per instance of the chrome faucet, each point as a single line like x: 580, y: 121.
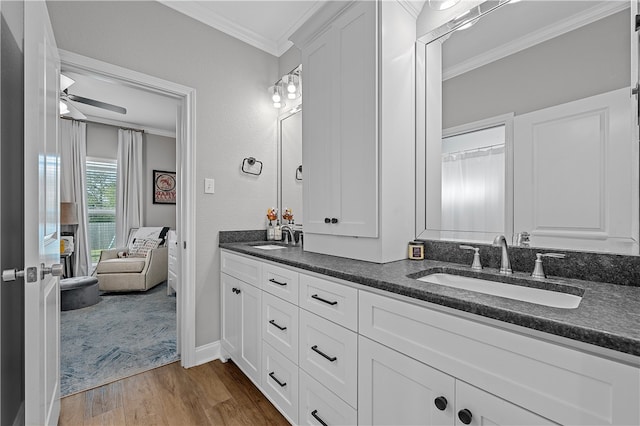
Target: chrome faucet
x: 289, y: 235
x: 505, y: 265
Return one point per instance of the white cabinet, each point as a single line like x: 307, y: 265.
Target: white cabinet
x: 395, y: 389
x: 280, y: 325
x: 340, y: 152
x: 241, y: 313
x: 319, y: 405
x: 280, y: 382
x: 358, y: 128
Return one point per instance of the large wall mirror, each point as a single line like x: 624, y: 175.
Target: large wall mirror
x: 527, y: 123
x: 290, y: 163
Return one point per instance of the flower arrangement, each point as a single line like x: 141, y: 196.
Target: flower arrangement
x: 288, y: 215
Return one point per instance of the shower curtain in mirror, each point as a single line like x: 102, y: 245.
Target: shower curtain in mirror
x: 129, y: 184
x: 473, y: 190
x: 73, y: 186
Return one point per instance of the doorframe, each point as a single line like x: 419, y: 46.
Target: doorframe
x: 185, y: 212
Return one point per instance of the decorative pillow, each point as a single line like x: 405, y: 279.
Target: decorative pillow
x: 142, y: 246
x: 122, y: 254
x: 149, y: 232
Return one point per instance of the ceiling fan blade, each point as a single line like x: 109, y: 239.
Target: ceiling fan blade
x: 97, y: 104
x: 65, y: 82
x: 73, y: 112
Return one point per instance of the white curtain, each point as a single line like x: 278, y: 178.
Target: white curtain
x: 73, y: 155
x: 129, y: 184
x: 473, y: 190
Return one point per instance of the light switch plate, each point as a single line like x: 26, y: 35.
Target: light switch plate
x: 209, y: 186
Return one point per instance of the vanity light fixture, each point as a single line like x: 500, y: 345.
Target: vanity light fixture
x: 442, y: 4
x: 291, y: 84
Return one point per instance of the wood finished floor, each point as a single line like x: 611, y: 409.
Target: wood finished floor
x: 215, y: 393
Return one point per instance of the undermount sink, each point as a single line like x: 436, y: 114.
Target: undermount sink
x: 269, y: 247
x: 551, y: 298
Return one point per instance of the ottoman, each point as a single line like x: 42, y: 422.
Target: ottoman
x: 78, y: 292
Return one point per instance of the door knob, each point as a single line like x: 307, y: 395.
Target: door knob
x: 12, y: 274
x: 55, y: 270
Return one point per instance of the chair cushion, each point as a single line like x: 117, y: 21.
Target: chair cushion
x: 121, y: 265
x: 141, y: 246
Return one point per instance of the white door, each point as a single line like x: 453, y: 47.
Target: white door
x: 395, y: 389
x: 42, y: 244
x: 250, y: 355
x: 575, y: 174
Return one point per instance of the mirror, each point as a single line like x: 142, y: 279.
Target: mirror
x: 526, y: 124
x: 290, y: 163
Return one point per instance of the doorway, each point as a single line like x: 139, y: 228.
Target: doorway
x: 185, y: 172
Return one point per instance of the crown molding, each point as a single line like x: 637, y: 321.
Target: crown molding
x: 411, y: 6
x: 200, y: 13
x: 283, y: 42
x: 546, y: 33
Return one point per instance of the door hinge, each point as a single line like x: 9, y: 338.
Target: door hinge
x: 637, y: 22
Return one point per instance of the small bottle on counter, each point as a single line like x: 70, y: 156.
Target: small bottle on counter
x: 277, y: 231
x: 271, y: 232
x: 416, y: 250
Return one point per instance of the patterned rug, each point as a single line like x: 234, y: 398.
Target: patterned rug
x: 122, y: 335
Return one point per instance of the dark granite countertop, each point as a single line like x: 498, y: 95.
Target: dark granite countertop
x: 608, y: 315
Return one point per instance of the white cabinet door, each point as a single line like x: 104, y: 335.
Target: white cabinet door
x: 574, y: 169
x: 280, y: 382
x: 230, y: 315
x: 395, y: 389
x: 340, y: 153
x: 250, y: 350
x: 476, y: 407
x: 280, y: 325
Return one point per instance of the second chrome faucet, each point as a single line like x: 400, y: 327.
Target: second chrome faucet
x: 505, y: 265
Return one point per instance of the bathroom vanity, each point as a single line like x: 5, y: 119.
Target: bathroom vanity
x: 331, y: 340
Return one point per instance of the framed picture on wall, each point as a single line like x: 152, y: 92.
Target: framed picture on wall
x: 164, y: 187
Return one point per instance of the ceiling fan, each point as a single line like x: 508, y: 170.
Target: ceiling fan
x: 67, y: 109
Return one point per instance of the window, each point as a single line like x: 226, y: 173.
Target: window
x: 101, y: 205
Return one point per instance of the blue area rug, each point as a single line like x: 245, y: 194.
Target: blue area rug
x: 122, y: 335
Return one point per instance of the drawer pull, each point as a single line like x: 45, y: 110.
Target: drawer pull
x: 315, y: 415
x: 465, y: 416
x: 315, y: 296
x: 271, y: 280
x: 318, y: 351
x: 279, y: 327
x: 441, y: 403
x: 276, y: 380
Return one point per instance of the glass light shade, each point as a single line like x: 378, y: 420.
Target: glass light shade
x: 442, y: 4
x: 63, y: 108
x: 278, y: 104
x: 276, y: 97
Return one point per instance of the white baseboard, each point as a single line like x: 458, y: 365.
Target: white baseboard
x: 208, y: 352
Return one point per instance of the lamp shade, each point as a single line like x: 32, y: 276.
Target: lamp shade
x: 68, y: 213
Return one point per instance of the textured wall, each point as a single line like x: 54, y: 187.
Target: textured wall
x: 234, y: 118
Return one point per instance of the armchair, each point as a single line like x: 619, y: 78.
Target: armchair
x: 116, y: 273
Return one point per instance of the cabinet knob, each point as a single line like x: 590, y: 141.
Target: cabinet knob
x: 465, y: 416
x: 441, y: 403
x: 334, y: 220
x: 327, y: 220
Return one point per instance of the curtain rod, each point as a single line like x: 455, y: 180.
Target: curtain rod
x: 104, y: 124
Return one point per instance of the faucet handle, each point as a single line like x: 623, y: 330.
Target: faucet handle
x: 538, y: 270
x: 476, y: 257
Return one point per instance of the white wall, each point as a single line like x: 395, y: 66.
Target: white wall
x: 234, y: 116
x: 158, y: 153
x: 102, y: 141
x: 289, y: 60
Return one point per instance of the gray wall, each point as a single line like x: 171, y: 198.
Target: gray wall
x: 234, y: 115
x: 159, y: 153
x: 11, y: 212
x: 588, y: 61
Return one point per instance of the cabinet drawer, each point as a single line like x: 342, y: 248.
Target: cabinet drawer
x: 280, y: 382
x: 564, y: 385
x: 333, y: 301
x: 280, y: 325
x: 244, y: 269
x: 280, y: 282
x: 318, y: 404
x: 329, y: 353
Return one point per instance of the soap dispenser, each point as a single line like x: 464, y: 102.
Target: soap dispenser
x: 278, y: 231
